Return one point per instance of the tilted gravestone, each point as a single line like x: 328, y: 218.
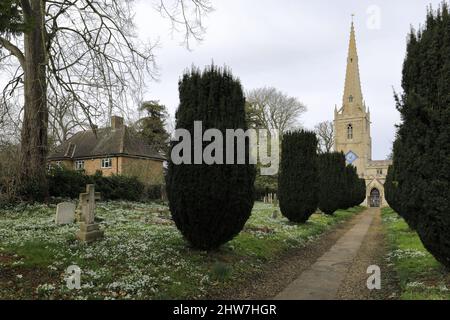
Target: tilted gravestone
x: 89, y: 230
x: 65, y: 213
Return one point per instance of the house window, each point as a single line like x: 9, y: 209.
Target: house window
x: 106, y: 163
x: 380, y: 172
x: 350, y: 132
x: 79, y: 165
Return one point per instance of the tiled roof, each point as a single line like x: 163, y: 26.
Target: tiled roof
x: 105, y: 142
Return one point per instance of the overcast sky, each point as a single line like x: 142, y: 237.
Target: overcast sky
x: 299, y: 47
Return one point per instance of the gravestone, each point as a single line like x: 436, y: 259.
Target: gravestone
x: 65, y: 213
x: 89, y: 230
x: 275, y: 214
x: 275, y: 205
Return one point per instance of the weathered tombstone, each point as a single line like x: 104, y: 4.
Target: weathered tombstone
x: 65, y: 213
x: 275, y: 204
x: 89, y: 230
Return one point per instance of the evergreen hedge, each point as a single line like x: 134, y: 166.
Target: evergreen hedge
x: 332, y: 182
x: 422, y: 150
x: 64, y: 183
x: 298, y: 179
x: 391, y: 190
x: 355, y: 188
x: 210, y: 204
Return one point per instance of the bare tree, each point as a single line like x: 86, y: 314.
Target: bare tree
x: 325, y: 135
x: 272, y: 109
x: 83, y: 50
x: 64, y: 120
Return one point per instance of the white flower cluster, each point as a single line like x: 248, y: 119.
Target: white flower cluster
x: 405, y: 254
x: 139, y: 258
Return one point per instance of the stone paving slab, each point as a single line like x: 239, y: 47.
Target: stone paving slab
x: 321, y: 281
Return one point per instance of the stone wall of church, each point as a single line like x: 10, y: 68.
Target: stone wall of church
x: 359, y: 144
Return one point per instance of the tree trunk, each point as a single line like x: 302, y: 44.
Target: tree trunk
x: 34, y: 144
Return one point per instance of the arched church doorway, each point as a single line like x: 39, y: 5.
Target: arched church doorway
x: 375, y: 198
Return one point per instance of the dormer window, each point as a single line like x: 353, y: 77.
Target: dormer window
x: 350, y: 132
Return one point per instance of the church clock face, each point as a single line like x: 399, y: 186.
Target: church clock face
x: 351, y: 157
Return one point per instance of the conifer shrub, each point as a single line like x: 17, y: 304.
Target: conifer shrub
x: 391, y: 190
x: 355, y: 188
x: 210, y: 203
x: 422, y: 149
x: 298, y: 179
x: 361, y: 193
x: 331, y: 182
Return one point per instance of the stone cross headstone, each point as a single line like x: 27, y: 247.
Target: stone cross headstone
x: 65, y: 213
x: 89, y: 230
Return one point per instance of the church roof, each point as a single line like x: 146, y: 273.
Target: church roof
x: 379, y: 163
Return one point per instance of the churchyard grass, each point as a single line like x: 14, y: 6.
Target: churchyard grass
x: 420, y: 276
x: 142, y: 256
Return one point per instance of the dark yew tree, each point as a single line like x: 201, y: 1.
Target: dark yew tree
x: 210, y: 203
x: 391, y: 189
x: 84, y: 51
x: 422, y: 151
x: 353, y: 188
x: 298, y: 179
x: 361, y: 193
x: 332, y: 182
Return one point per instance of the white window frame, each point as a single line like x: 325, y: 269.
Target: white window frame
x: 79, y: 165
x: 107, y: 163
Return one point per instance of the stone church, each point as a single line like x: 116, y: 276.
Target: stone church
x: 352, y: 132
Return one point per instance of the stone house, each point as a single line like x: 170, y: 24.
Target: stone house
x: 115, y: 150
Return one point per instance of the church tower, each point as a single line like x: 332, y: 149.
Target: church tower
x: 352, y: 119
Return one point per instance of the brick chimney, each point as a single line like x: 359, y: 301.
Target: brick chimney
x: 116, y: 122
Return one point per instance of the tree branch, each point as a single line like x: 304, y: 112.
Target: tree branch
x: 15, y: 51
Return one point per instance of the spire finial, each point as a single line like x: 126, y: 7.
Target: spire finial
x: 353, y: 16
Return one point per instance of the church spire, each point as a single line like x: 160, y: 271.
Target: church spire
x: 353, y: 98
